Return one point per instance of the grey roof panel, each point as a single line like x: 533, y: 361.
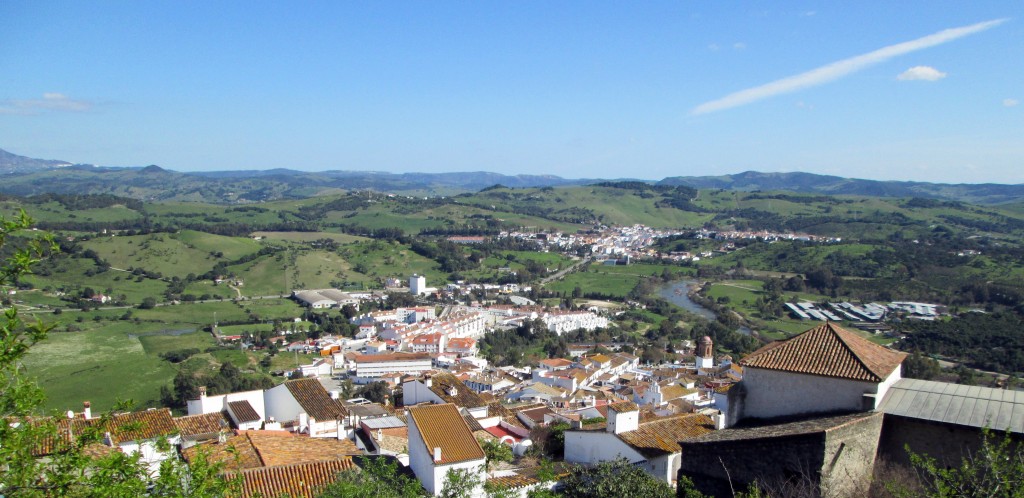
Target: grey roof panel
x: 953, y: 412
x: 972, y: 406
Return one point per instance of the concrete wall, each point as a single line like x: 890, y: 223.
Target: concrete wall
x: 773, y: 393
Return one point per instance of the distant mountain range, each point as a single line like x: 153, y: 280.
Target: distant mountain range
x: 27, y: 176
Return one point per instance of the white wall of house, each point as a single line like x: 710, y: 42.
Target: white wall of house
x: 150, y: 454
x: 415, y: 392
x: 219, y: 403
x: 281, y: 405
x: 773, y: 393
x: 378, y: 368
x: 592, y: 447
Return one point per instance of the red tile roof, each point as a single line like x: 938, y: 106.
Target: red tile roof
x: 304, y: 480
x: 828, y: 350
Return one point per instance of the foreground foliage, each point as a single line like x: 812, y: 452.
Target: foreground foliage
x: 75, y: 466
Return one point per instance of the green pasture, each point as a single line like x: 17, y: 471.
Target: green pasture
x: 103, y: 363
x: 171, y: 254
x: 382, y: 259
x: 341, y: 238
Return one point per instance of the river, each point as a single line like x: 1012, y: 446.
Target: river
x: 678, y: 293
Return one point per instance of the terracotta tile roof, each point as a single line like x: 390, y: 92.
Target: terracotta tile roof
x: 380, y: 358
x: 675, y: 391
x: 123, y: 427
x: 556, y: 363
x: 624, y: 406
x: 206, y: 424
x: 278, y: 450
x: 662, y: 436
x: 138, y: 426
x: 250, y: 449
x: 237, y: 452
x: 394, y: 439
x: 314, y: 399
x: 442, y: 383
x: 304, y: 480
x: 243, y: 411
x: 441, y: 426
x: 828, y: 350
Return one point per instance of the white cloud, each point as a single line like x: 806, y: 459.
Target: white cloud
x: 51, y: 102
x: 839, y: 69
x: 739, y: 46
x: 713, y: 47
x: 926, y: 73
x: 1010, y: 102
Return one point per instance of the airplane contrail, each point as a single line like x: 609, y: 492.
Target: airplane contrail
x: 838, y: 69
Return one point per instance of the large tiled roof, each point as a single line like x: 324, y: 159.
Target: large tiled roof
x: 441, y: 426
x: 828, y: 350
x: 138, y: 426
x: 250, y: 449
x: 304, y: 480
x: 123, y: 427
x: 206, y: 424
x: 662, y: 436
x: 314, y: 399
x: 465, y: 397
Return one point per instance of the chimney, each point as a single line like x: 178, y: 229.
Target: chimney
x: 335, y: 395
x: 107, y: 440
x: 87, y: 410
x: 719, y: 419
x: 437, y: 454
x: 202, y: 392
x: 427, y: 381
x: 380, y: 435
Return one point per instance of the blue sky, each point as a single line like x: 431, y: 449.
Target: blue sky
x: 929, y: 91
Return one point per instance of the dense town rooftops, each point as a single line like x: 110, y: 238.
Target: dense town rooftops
x: 830, y: 351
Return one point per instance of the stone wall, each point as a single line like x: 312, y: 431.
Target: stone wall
x: 948, y: 444
x: 850, y: 451
x: 831, y: 455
